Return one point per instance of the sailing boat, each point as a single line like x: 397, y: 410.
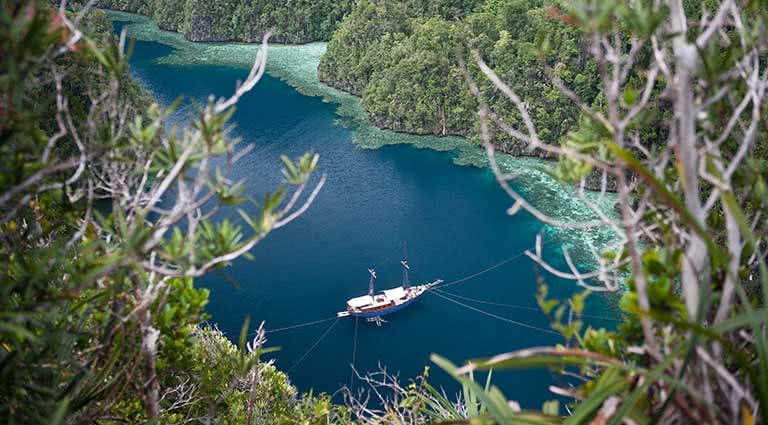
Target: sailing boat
x: 388, y: 301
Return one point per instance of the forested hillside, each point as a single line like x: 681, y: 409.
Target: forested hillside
x: 402, y: 58
x: 300, y: 21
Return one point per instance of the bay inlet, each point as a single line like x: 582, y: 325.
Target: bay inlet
x: 383, y: 188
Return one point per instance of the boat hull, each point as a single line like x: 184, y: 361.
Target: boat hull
x: 361, y: 311
x: 384, y: 311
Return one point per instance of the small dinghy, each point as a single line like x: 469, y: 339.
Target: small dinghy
x: 388, y: 301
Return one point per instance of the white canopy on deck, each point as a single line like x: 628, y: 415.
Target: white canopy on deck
x: 395, y: 293
x: 360, y: 301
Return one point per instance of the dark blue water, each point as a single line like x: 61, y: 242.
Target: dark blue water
x: 453, y: 219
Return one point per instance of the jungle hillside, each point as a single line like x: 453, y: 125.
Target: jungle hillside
x: 109, y: 209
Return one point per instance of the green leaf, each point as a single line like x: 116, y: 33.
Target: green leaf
x: 60, y: 413
x: 738, y: 214
x: 493, y: 399
x: 244, y: 333
x: 649, y: 378
x: 289, y: 171
x: 630, y: 96
x: 610, y: 383
x: 540, y: 357
x: 551, y: 407
x: 247, y: 218
x: 19, y: 331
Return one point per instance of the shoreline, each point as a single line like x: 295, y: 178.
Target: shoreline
x: 368, y: 118
x: 296, y: 65
x: 114, y: 12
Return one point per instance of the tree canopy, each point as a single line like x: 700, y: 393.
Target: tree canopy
x: 300, y: 21
x: 404, y: 60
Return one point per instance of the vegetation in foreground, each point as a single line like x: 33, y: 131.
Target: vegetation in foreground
x: 101, y: 321
x: 106, y: 218
x: 693, y: 347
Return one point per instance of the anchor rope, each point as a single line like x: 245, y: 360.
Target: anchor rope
x: 301, y: 325
x: 514, y: 322
x: 491, y: 268
x: 301, y: 359
x: 437, y: 290
x: 524, y: 307
x: 354, y: 353
x: 441, y: 286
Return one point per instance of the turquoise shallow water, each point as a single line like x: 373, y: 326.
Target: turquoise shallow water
x: 382, y: 189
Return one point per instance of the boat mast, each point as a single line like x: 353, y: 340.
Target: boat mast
x: 371, y: 289
x: 406, y: 281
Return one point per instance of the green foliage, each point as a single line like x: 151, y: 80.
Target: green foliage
x: 99, y: 314
x: 209, y: 364
x: 403, y: 60
x: 183, y: 308
x: 670, y: 358
x: 600, y: 356
x: 422, y: 91
x: 240, y: 20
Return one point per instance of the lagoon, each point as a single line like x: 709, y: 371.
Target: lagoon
x: 383, y: 188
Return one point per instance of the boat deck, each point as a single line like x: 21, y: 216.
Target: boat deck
x: 389, y: 301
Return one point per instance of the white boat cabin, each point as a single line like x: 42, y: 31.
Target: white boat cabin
x: 388, y: 296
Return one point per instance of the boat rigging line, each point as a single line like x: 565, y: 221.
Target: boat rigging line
x: 441, y: 286
x: 354, y: 354
x: 524, y: 307
x: 493, y: 267
x: 504, y: 319
x: 438, y: 291
x: 301, y: 325
x: 301, y: 359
